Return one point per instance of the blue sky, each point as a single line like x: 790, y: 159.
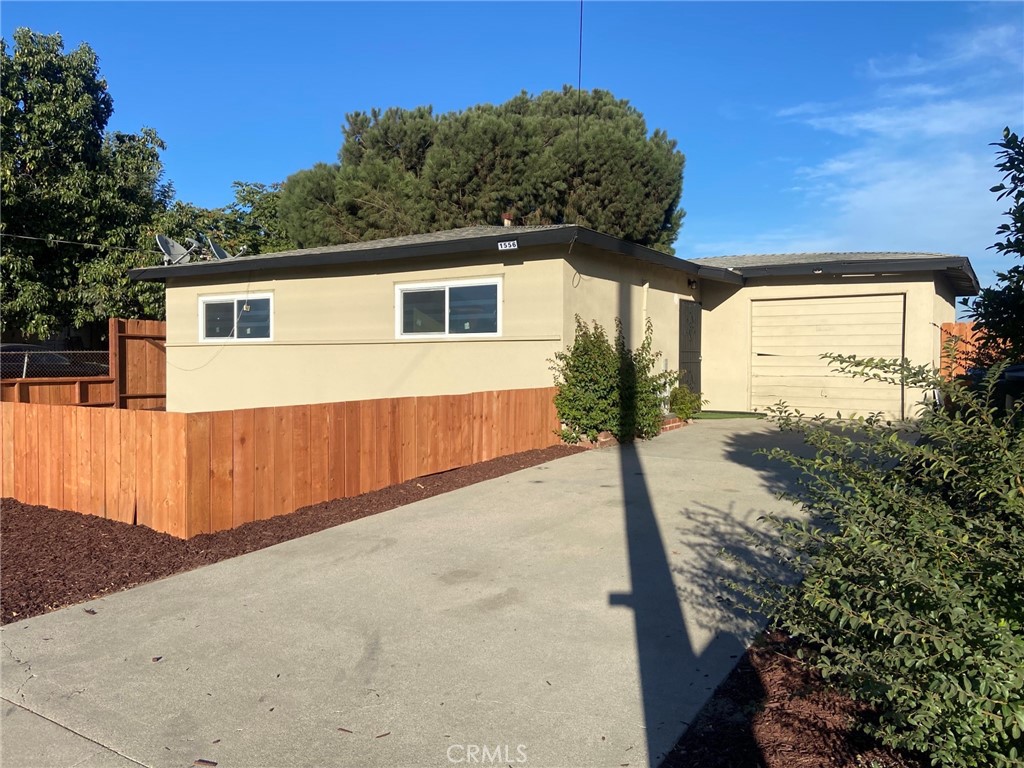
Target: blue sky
x: 806, y: 126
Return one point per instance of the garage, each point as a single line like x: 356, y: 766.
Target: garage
x: 788, y: 337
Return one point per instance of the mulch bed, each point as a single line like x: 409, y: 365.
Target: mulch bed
x: 771, y: 712
x: 774, y: 711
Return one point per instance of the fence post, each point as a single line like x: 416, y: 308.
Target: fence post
x: 114, y: 357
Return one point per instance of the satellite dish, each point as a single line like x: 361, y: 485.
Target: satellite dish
x: 220, y: 253
x: 173, y: 251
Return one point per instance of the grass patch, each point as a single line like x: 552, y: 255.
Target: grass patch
x: 727, y: 415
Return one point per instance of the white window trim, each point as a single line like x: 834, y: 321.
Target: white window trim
x: 233, y: 297
x: 435, y: 285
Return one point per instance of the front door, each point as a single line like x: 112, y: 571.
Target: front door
x: 689, y: 344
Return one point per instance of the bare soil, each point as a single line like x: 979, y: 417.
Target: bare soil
x: 771, y: 712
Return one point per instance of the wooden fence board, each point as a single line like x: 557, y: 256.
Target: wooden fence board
x: 112, y: 461
x: 44, y: 462
x: 69, y: 456
x: 383, y: 464
x: 145, y: 511
x: 83, y: 452
x: 7, y: 459
x: 178, y: 476
x: 126, y: 498
x: 197, y: 495
x: 366, y: 417
x: 221, y: 471
x: 243, y: 467
x: 339, y: 457
x: 31, y: 475
x: 300, y: 474
x: 319, y: 452
x: 283, y: 461
x: 406, y: 438
x: 97, y: 463
x: 426, y: 425
x: 263, y: 462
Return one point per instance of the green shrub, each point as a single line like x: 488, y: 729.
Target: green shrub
x: 911, y: 585
x: 606, y: 388
x: 684, y: 402
x: 587, y: 378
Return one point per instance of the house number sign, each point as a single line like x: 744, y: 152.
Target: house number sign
x: 508, y: 245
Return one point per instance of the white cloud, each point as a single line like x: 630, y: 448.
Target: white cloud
x: 1001, y: 43
x: 953, y: 117
x: 911, y: 166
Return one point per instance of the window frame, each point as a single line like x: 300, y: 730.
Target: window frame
x: 446, y: 285
x: 222, y: 298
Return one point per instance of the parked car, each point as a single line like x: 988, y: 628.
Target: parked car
x: 29, y: 361
x: 1008, y: 389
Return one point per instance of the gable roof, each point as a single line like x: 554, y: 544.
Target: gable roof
x: 446, y: 243
x: 957, y: 269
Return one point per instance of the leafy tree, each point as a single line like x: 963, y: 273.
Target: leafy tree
x: 257, y: 223
x: 558, y: 157
x: 999, y: 310
x: 309, y: 210
x: 63, y: 177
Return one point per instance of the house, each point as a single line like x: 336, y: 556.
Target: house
x: 484, y: 308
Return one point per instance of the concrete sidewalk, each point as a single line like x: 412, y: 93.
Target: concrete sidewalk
x: 564, y: 615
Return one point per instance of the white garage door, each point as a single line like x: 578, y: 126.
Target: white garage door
x: 789, y: 335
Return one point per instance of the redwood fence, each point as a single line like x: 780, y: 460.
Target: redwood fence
x: 192, y: 473
x: 965, y: 336
x: 136, y: 376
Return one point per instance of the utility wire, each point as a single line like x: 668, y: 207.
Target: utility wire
x: 579, y: 102
x: 51, y: 240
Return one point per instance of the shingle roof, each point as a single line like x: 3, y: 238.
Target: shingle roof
x: 444, y: 236
x: 434, y: 244
x: 781, y: 259
x: 957, y: 269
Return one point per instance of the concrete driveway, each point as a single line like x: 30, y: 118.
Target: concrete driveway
x: 564, y: 615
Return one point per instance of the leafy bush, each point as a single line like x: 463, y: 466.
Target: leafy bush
x: 606, y: 388
x: 587, y: 378
x: 684, y: 402
x: 912, y: 585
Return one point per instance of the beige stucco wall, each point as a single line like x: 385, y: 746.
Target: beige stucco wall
x: 601, y: 286
x: 334, y: 337
x: 726, y: 336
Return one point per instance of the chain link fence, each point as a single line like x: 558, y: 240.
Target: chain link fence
x: 24, y: 361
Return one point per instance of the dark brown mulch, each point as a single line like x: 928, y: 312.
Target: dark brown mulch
x: 51, y: 558
x: 774, y: 711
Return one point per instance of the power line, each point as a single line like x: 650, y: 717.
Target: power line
x: 52, y: 240
x: 579, y: 102
x: 579, y: 92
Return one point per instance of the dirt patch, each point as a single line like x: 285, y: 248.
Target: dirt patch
x: 50, y: 558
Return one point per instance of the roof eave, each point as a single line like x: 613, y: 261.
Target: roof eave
x: 957, y: 269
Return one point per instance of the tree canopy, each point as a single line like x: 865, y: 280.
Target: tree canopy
x: 66, y: 181
x: 999, y: 309
x: 65, y: 177
x: 560, y: 157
